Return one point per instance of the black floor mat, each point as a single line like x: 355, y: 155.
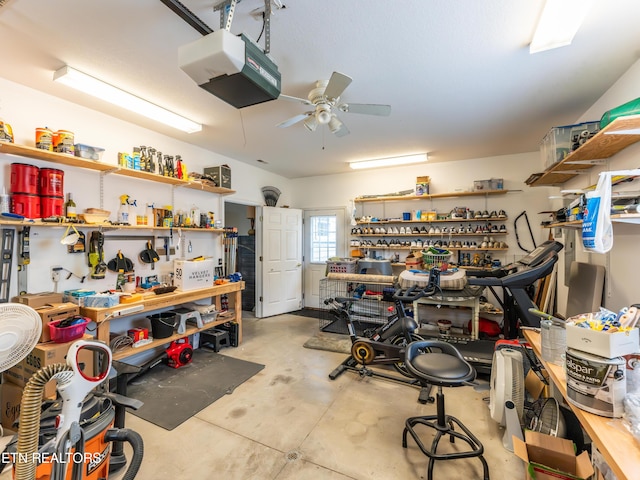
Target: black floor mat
x: 340, y: 326
x: 172, y: 395
x: 308, y: 312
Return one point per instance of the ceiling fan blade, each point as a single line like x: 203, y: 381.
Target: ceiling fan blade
x: 366, y: 109
x: 296, y: 119
x: 295, y: 99
x: 337, y: 84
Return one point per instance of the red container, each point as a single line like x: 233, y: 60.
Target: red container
x: 51, y: 182
x: 51, y: 206
x: 67, y: 334
x: 26, y: 205
x: 24, y: 178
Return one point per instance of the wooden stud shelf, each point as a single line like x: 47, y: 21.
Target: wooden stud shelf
x: 615, y: 137
x: 73, y: 161
x: 395, y: 198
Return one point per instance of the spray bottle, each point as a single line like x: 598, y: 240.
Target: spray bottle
x: 123, y: 211
x: 151, y: 218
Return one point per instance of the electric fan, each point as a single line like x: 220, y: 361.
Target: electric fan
x: 20, y: 328
x: 507, y: 383
x: 271, y: 195
x: 549, y: 419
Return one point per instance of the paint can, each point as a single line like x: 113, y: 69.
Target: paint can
x: 51, y: 206
x: 63, y: 142
x: 51, y: 182
x: 44, y: 139
x: 24, y: 179
x: 596, y: 384
x: 26, y: 205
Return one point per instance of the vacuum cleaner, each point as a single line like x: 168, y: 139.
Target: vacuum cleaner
x: 74, y: 434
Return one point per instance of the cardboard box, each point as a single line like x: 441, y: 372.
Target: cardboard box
x: 422, y: 185
x: 551, y: 458
x: 42, y: 355
x: 603, y: 344
x: 11, y: 396
x: 221, y: 175
x: 36, y: 300
x: 193, y: 274
x: 55, y: 311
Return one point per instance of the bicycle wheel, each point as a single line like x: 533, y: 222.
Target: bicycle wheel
x: 401, y: 341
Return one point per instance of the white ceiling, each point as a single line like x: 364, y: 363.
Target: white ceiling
x: 457, y: 74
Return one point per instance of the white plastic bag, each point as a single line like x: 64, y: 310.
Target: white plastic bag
x: 597, y: 231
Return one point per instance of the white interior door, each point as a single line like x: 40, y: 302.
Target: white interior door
x: 324, y: 237
x: 281, y: 261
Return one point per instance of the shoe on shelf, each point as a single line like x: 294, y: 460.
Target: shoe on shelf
x: 458, y: 244
x: 502, y: 214
x: 445, y: 230
x: 493, y: 214
x: 423, y: 230
x: 503, y: 229
x: 402, y: 232
x: 469, y: 229
x: 437, y: 230
x: 494, y: 228
x: 432, y: 230
x: 415, y: 231
x: 477, y: 215
x: 485, y: 214
x: 484, y: 245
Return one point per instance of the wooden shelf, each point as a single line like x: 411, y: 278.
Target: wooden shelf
x: 619, y: 448
x: 615, y: 137
x: 73, y: 161
x: 190, y: 330
x: 104, y: 316
x: 392, y: 198
x: 103, y: 226
x: 416, y: 235
x: 616, y: 218
x: 460, y: 220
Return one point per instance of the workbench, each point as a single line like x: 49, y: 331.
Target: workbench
x: 619, y: 448
x: 104, y: 316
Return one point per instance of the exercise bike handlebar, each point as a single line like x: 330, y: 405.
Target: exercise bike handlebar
x: 414, y: 292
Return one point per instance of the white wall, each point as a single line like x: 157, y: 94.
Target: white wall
x: 340, y: 190
x: 25, y: 109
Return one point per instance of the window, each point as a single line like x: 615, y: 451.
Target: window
x: 323, y: 238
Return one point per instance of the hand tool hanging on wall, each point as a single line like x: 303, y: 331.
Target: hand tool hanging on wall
x: 24, y: 258
x: 515, y: 229
x: 8, y: 234
x: 96, y: 255
x: 149, y: 255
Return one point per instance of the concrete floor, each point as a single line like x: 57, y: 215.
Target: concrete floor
x: 290, y: 422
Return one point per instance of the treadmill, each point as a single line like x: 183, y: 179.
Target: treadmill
x: 514, y: 279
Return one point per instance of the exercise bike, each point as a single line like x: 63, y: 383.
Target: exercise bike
x: 386, y: 344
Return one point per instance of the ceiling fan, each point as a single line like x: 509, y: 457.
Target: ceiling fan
x: 325, y: 98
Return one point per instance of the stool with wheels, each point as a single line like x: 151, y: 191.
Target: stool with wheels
x: 440, y: 364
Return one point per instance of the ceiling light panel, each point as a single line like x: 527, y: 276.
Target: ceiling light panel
x: 97, y: 88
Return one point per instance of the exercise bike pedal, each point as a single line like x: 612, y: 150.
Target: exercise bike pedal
x: 425, y: 395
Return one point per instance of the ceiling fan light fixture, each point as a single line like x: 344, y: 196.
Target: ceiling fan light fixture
x: 311, y: 123
x: 559, y: 23
x: 97, y: 88
x: 334, y: 124
x: 323, y: 114
x: 389, y: 162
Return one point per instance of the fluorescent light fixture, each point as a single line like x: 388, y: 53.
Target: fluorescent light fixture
x: 389, y: 162
x: 559, y: 23
x: 92, y: 86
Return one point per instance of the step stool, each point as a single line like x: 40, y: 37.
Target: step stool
x: 216, y: 338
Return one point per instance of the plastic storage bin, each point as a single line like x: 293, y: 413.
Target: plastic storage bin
x: 559, y: 142
x: 67, y: 334
x: 88, y: 152
x: 344, y: 265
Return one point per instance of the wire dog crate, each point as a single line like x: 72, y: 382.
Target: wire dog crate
x: 370, y: 311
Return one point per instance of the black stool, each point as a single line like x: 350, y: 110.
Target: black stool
x: 439, y: 363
